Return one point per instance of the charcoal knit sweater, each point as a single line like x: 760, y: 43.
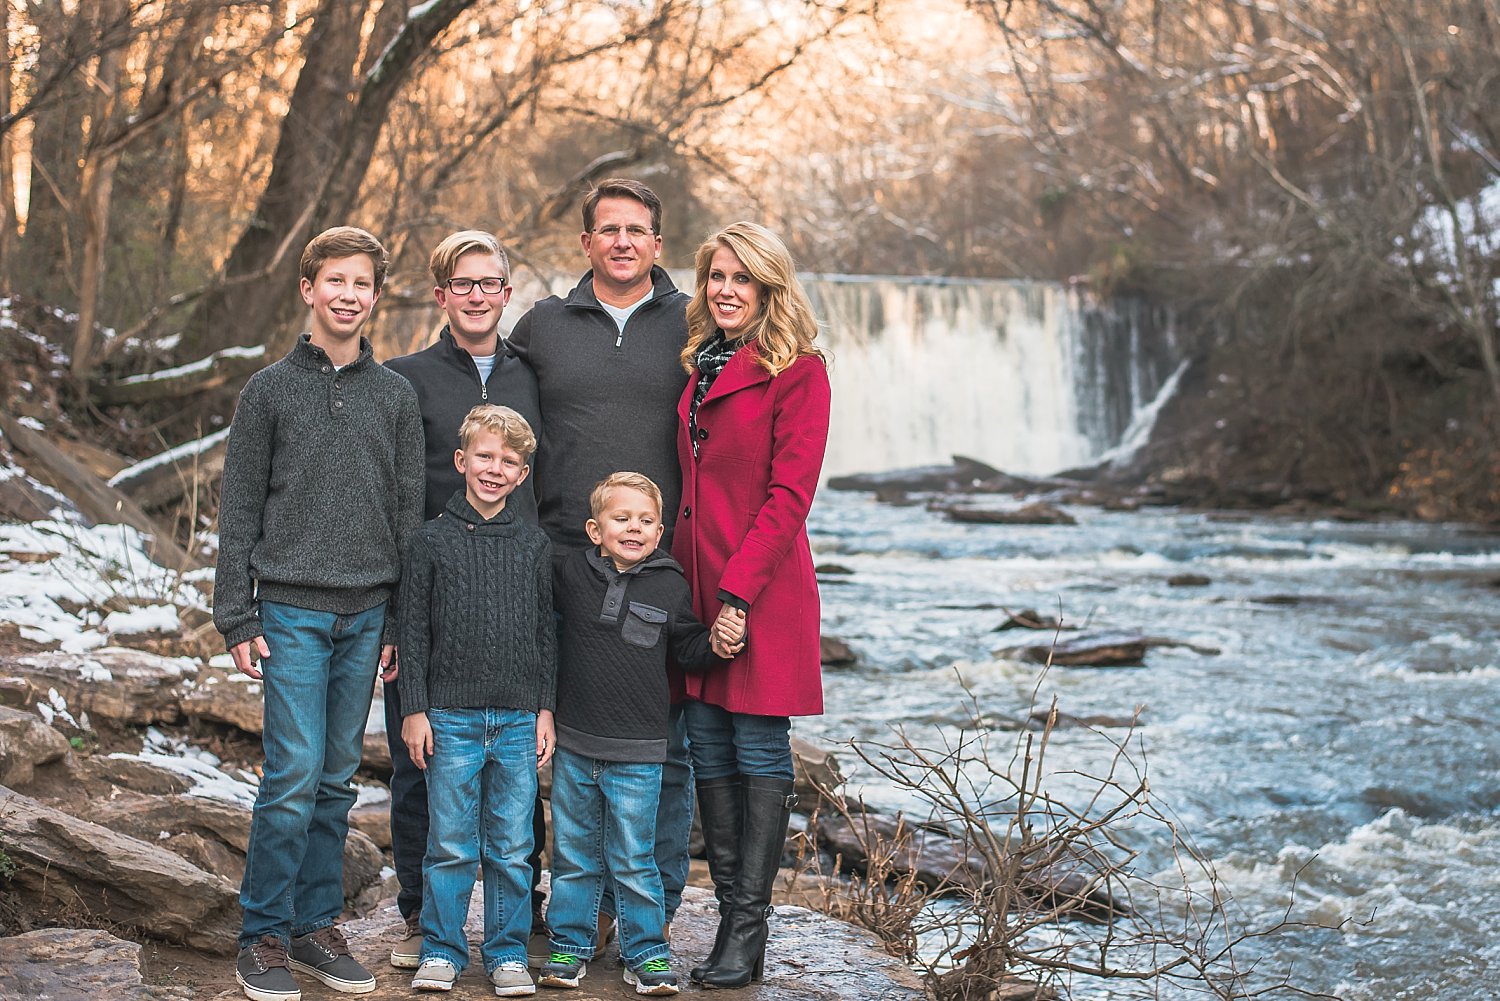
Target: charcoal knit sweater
x: 609, y: 399
x: 477, y: 630
x: 322, y: 487
x: 617, y: 630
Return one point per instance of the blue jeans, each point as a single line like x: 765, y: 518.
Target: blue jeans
x: 604, y: 827
x: 674, y: 819
x: 481, y: 781
x: 725, y: 743
x: 318, y: 682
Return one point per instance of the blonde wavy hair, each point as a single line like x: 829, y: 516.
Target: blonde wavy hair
x: 785, y: 328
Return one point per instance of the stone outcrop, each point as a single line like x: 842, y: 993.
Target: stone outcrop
x: 25, y: 743
x: 70, y: 868
x: 66, y: 964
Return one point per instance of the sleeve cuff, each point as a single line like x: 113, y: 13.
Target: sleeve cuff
x: 734, y: 600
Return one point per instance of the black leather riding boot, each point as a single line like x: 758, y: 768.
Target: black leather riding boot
x: 720, y: 810
x: 741, y: 957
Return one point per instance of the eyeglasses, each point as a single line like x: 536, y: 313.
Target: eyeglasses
x: 636, y: 233
x: 463, y: 286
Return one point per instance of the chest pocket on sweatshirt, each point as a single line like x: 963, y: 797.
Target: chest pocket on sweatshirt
x: 643, y: 625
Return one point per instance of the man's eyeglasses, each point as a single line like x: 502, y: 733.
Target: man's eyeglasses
x: 463, y: 286
x: 636, y: 233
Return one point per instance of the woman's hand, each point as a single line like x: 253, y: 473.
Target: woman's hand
x: 727, y: 634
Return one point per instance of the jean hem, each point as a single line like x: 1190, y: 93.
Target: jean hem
x: 456, y: 962
x: 635, y: 963
x: 246, y: 940
x: 312, y: 928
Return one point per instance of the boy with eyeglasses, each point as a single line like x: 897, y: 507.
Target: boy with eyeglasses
x: 469, y: 364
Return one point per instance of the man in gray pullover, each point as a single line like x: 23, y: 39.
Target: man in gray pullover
x: 608, y: 368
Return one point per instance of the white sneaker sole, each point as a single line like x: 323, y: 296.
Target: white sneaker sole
x: 337, y: 983
x: 660, y: 990
x: 256, y: 994
x: 405, y: 961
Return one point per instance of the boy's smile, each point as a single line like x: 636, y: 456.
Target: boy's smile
x: 629, y: 527
x: 491, y: 472
x: 340, y: 298
x: 472, y: 318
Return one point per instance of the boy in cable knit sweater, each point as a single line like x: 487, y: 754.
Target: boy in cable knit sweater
x: 477, y: 683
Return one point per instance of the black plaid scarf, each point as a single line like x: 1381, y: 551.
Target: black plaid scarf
x: 712, y: 357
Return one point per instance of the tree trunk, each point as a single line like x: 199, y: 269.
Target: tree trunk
x: 98, y: 182
x: 7, y: 164
x: 323, y: 153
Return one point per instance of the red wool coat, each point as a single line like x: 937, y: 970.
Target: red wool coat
x: 743, y: 527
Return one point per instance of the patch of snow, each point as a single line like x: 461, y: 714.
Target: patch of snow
x: 208, y: 781
x: 92, y: 670
x: 136, y: 621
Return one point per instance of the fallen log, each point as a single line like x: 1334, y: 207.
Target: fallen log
x: 162, y: 479
x: 216, y: 370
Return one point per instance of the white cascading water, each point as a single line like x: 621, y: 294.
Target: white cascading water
x: 1030, y: 377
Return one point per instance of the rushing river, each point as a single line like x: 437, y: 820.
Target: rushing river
x: 1332, y: 716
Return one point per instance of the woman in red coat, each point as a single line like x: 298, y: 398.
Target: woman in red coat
x: 753, y: 428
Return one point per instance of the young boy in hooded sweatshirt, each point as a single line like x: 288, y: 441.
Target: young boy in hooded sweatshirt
x: 624, y: 607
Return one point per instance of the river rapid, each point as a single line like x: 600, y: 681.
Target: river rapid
x: 1337, y: 754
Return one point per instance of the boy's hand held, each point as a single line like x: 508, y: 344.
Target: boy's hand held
x: 245, y: 658
x: 416, y: 734
x: 389, y: 665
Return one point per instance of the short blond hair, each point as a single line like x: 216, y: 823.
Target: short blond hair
x: 510, y: 426
x: 445, y: 255
x: 625, y: 479
x: 344, y: 241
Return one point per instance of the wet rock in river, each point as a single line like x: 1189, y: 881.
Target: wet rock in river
x: 1028, y: 618
x: 835, y: 652
x: 961, y: 474
x: 1088, y: 650
x: 1188, y: 580
x: 1030, y: 514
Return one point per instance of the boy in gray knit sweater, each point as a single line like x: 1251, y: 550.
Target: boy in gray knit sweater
x: 477, y: 684
x: 323, y: 484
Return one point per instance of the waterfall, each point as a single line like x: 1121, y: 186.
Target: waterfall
x: 1029, y: 377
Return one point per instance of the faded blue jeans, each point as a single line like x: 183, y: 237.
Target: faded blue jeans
x: 674, y: 819
x: 604, y: 829
x: 318, y: 682
x: 481, y: 782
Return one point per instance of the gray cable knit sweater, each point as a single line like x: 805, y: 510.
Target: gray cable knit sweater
x: 477, y: 630
x: 323, y: 484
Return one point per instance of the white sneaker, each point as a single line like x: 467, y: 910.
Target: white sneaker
x: 512, y: 980
x: 434, y: 975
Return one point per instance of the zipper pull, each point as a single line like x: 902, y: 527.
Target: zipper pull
x: 484, y: 392
x: 619, y: 337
